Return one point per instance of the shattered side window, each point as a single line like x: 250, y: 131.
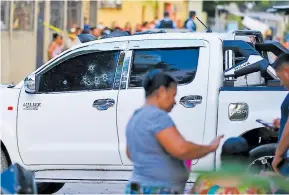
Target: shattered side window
x: 93, y: 71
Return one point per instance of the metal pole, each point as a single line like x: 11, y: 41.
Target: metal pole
x: 65, y: 16
x: 96, y: 13
x: 36, y: 8
x: 46, y: 29
x: 65, y: 22
x: 35, y: 16
x: 11, y: 18
x: 40, y: 34
x: 82, y: 14
x: 10, y: 39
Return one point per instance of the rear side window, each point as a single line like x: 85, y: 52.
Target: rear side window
x: 180, y: 63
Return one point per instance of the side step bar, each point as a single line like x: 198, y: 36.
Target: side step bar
x: 83, y: 176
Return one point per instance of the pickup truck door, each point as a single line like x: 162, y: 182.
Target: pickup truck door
x: 72, y: 119
x: 188, y: 62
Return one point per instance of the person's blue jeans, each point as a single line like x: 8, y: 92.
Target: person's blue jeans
x: 284, y: 170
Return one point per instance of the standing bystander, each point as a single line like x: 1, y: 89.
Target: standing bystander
x: 72, y: 39
x: 281, y: 160
x: 166, y: 22
x: 95, y: 32
x: 56, y: 47
x: 155, y: 145
x: 189, y: 23
x: 128, y: 28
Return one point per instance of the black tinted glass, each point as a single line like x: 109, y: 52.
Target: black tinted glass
x: 93, y: 71
x: 179, y: 63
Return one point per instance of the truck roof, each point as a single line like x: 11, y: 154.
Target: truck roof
x: 164, y: 36
x: 177, y: 34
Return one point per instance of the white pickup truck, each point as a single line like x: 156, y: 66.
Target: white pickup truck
x: 66, y: 121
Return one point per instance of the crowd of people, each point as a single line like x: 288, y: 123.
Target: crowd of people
x: 165, y: 23
x: 58, y: 44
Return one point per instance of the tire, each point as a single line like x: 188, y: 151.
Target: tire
x: 4, y: 165
x: 49, y: 188
x: 261, y: 158
x: 42, y: 188
x: 4, y: 162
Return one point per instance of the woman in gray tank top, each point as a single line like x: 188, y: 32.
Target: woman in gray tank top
x: 154, y: 144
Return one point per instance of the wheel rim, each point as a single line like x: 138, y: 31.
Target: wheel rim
x: 263, y: 163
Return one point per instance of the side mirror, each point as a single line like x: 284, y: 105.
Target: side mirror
x: 31, y: 84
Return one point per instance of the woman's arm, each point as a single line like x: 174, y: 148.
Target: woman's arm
x: 174, y: 143
x: 50, y: 50
x: 282, y: 147
x: 128, y: 154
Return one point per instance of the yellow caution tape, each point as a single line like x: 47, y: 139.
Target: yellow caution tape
x: 58, y: 30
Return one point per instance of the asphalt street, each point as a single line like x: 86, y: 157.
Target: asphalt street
x: 96, y: 188
x: 93, y: 188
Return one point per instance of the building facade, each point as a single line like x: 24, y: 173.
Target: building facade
x: 137, y: 12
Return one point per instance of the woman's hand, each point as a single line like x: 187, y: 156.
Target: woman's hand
x: 276, y: 123
x: 128, y: 154
x: 277, y: 160
x: 51, y: 48
x: 215, y: 143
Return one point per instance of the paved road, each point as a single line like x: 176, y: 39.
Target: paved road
x: 92, y: 188
x: 95, y: 188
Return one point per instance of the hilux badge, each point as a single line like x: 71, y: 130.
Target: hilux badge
x: 31, y: 106
x: 238, y: 111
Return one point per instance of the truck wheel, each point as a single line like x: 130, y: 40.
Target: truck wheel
x: 42, y: 188
x: 261, y: 158
x: 4, y: 162
x: 49, y: 188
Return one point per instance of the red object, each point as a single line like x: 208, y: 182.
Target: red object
x: 10, y: 107
x: 188, y: 164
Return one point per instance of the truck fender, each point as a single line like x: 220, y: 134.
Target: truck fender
x: 6, y: 153
x: 259, y: 136
x: 256, y: 138
x: 9, y: 141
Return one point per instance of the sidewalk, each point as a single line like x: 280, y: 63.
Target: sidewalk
x: 96, y: 188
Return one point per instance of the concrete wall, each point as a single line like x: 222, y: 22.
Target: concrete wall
x: 5, y: 58
x: 18, y: 56
x: 132, y: 11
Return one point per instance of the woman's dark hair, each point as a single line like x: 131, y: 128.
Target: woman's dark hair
x: 144, y: 24
x: 155, y: 79
x: 85, y: 31
x: 54, y: 36
x: 282, y: 59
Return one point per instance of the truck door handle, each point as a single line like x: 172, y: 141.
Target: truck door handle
x: 103, y: 104
x: 191, y: 101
